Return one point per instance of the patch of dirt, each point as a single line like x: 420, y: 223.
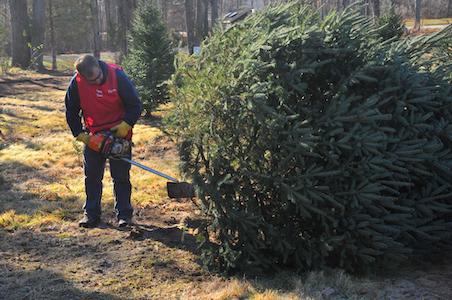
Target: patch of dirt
x: 155, y: 250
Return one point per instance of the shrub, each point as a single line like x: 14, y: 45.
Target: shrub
x: 391, y: 25
x: 150, y: 61
x: 314, y: 143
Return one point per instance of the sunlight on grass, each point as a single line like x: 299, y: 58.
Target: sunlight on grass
x: 234, y: 289
x: 11, y: 220
x: 274, y: 295
x: 36, y: 102
x: 429, y: 22
x: 143, y: 134
x: 51, y: 122
x: 65, y: 62
x: 23, y: 154
x: 65, y: 235
x: 24, y: 118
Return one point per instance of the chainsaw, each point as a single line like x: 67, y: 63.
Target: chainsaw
x: 112, y: 147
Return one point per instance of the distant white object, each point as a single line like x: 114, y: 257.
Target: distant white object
x: 196, y: 50
x: 236, y: 16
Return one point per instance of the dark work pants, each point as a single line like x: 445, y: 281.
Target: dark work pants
x: 94, y: 165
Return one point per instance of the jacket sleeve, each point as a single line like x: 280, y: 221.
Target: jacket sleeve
x: 73, y: 110
x: 130, y: 98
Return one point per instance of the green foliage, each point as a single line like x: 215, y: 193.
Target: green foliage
x: 314, y: 143
x: 391, y: 25
x: 150, y: 59
x: 439, y: 60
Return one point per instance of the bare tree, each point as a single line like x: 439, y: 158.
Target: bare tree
x: 190, y: 24
x: 376, y: 7
x: 111, y: 26
x: 38, y: 30
x: 449, y: 8
x: 202, y: 21
x: 213, y: 12
x: 52, y: 34
x: 221, y: 8
x: 94, y: 6
x: 417, y: 15
x: 345, y: 3
x: 164, y: 9
x: 125, y: 8
x: 19, y: 33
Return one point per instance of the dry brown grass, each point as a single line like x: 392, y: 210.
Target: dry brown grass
x: 429, y: 22
x: 38, y: 138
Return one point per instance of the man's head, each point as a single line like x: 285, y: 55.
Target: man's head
x: 88, y: 66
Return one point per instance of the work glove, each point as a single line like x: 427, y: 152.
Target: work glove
x: 121, y: 130
x: 83, y: 137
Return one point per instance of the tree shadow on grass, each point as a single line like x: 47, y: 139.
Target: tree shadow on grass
x: 17, y: 181
x: 42, y: 284
x: 152, y: 120
x: 171, y: 236
x: 28, y: 257
x: 36, y: 107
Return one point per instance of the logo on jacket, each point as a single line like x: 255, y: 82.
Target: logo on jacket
x: 111, y: 91
x: 99, y: 93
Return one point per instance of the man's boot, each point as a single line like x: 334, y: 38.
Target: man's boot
x: 124, y: 222
x: 88, y: 222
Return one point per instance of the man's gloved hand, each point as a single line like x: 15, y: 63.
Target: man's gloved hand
x: 83, y: 137
x: 121, y: 130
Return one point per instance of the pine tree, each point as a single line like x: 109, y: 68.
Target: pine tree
x: 391, y: 25
x: 313, y: 142
x: 150, y: 57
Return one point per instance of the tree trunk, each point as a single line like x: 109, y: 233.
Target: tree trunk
x: 376, y: 4
x: 213, y: 12
x: 111, y: 28
x: 345, y: 3
x: 38, y: 30
x: 417, y: 15
x: 19, y: 33
x: 190, y: 24
x: 52, y: 35
x: 124, y: 17
x: 164, y: 9
x: 95, y: 25
x: 449, y: 9
x: 202, y: 22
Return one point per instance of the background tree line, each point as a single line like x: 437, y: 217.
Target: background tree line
x: 29, y: 28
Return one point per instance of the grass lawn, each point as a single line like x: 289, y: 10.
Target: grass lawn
x: 429, y: 22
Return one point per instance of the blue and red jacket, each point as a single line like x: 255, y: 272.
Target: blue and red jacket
x: 102, y: 106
